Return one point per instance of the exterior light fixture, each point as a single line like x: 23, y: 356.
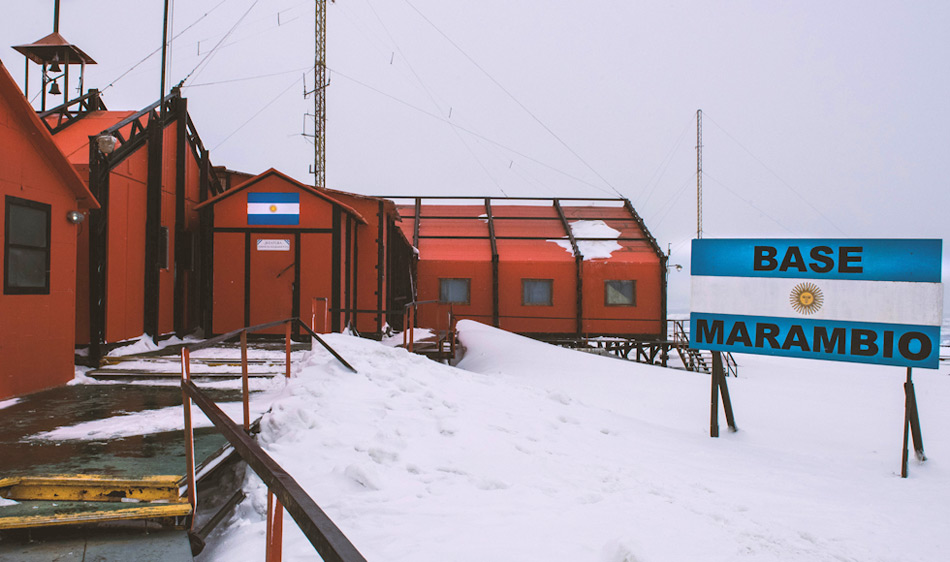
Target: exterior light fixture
x: 106, y: 143
x: 75, y: 217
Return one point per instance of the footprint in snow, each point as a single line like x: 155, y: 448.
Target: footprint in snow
x: 364, y: 476
x: 382, y: 456
x: 619, y: 551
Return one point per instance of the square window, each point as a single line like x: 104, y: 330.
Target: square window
x: 455, y: 291
x: 620, y: 292
x: 26, y: 247
x: 537, y: 292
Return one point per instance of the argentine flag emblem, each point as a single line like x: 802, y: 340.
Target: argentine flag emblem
x: 273, y: 209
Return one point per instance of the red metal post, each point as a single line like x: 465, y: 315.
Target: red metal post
x: 412, y: 322
x: 275, y: 520
x: 189, y: 434
x: 244, y: 381
x: 320, y: 312
x: 452, y: 335
x: 287, y: 347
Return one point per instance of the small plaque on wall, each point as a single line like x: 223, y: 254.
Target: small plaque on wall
x: 272, y: 245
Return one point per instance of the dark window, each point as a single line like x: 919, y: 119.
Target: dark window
x: 622, y: 292
x: 455, y: 291
x: 537, y: 292
x: 163, y: 247
x: 26, y: 247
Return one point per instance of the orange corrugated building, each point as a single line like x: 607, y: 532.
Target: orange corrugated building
x: 384, y: 261
x: 520, y: 264
x: 139, y: 257
x: 278, y: 246
x: 40, y: 192
x: 139, y: 261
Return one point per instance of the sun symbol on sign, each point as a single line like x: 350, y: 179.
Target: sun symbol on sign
x: 273, y: 208
x: 806, y: 298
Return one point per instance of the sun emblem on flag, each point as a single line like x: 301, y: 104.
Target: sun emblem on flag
x: 806, y: 298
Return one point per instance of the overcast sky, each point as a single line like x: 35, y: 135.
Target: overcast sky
x: 821, y: 118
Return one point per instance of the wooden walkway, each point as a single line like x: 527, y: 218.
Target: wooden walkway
x: 62, y: 487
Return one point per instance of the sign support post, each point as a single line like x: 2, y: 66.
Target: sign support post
x: 911, y: 425
x: 719, y: 387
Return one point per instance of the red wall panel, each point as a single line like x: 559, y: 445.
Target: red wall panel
x: 36, y: 331
x: 435, y: 315
x: 228, y: 306
x: 272, y: 278
x: 125, y: 266
x: 560, y: 317
x: 366, y: 260
x: 315, y: 281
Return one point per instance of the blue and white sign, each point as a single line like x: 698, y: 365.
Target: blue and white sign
x: 273, y: 209
x: 867, y: 301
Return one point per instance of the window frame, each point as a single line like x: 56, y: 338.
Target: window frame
x: 468, y: 290
x: 633, y: 287
x: 550, y: 284
x: 10, y: 202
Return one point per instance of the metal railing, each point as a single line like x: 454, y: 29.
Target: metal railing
x: 282, y: 490
x: 682, y: 343
x: 443, y: 338
x: 60, y: 117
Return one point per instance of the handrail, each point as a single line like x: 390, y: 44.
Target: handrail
x: 322, y: 533
x: 328, y: 540
x: 333, y: 352
x: 680, y: 337
x: 235, y: 333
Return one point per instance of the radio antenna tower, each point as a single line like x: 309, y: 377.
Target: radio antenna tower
x: 699, y: 173
x: 319, y: 170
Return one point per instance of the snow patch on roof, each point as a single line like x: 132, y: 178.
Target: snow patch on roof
x: 591, y: 249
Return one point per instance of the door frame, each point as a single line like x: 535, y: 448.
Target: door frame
x: 295, y: 298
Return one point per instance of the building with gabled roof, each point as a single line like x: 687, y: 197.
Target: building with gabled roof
x: 279, y: 248
x: 139, y: 265
x: 44, y: 202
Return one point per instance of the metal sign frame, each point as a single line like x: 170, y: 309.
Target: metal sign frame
x: 877, y: 301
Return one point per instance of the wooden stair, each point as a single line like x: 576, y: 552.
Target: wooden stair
x: 75, y: 499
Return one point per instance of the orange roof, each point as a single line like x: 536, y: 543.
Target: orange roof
x: 523, y: 232
x: 43, y: 140
x: 73, y: 140
x: 53, y: 46
x: 272, y: 172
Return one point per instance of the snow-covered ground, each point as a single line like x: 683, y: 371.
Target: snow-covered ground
x: 530, y: 452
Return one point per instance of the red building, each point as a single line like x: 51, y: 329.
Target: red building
x: 44, y: 201
x: 548, y: 268
x: 278, y: 245
x: 384, y: 263
x: 139, y: 260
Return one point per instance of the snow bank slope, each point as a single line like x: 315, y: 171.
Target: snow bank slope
x: 549, y: 454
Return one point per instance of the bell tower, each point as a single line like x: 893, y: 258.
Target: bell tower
x: 54, y: 54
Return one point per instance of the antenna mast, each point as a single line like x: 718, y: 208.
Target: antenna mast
x: 319, y: 95
x: 699, y: 173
